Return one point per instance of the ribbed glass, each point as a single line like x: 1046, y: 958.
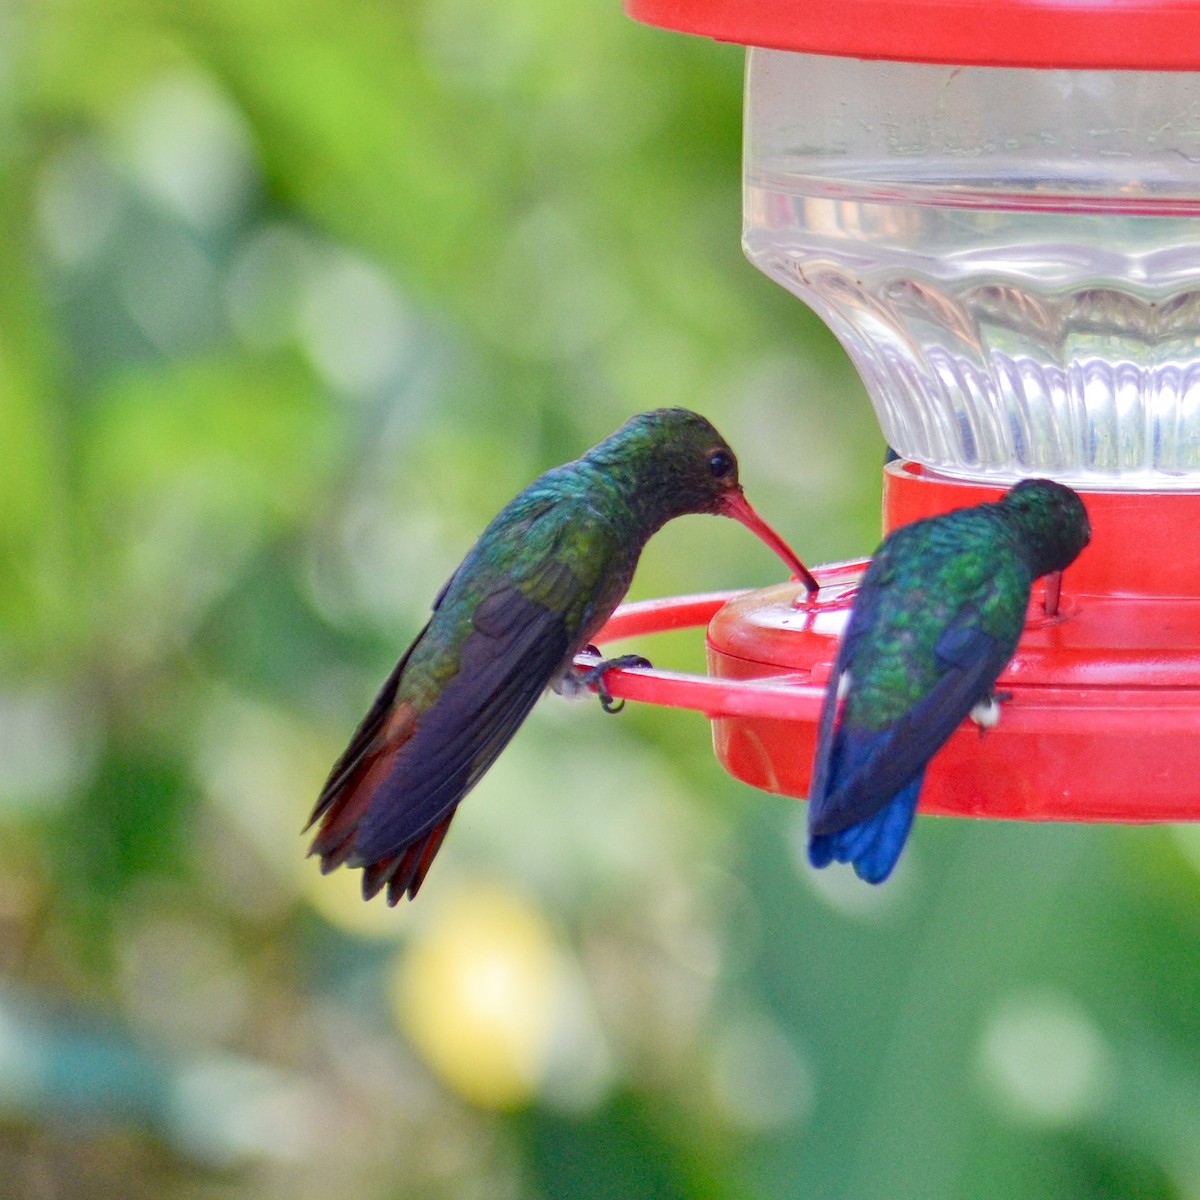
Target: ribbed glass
x: 1010, y: 256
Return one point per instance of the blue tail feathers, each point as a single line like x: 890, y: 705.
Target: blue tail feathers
x: 872, y: 846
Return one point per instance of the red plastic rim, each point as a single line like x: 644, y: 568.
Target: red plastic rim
x: 1104, y: 717
x: 1080, y: 34
x: 770, y: 694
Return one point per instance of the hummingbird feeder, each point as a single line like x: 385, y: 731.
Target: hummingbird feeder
x: 995, y: 206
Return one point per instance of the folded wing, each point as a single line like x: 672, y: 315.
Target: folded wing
x: 391, y: 796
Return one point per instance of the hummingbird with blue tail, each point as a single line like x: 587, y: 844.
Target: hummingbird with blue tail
x: 937, y: 617
x: 540, y: 582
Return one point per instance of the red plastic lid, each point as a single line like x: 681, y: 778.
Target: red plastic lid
x: 1123, y: 34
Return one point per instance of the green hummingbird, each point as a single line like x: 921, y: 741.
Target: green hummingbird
x: 537, y: 586
x: 936, y: 619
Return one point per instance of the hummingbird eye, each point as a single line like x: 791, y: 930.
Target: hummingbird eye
x: 721, y: 464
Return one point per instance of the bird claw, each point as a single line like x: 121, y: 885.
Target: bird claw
x: 986, y: 713
x: 595, y: 675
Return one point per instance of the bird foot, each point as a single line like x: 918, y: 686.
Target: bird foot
x: 595, y: 675
x: 986, y: 713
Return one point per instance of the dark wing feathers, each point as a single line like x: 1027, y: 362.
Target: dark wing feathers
x: 516, y: 648
x: 885, y: 761
x: 391, y: 797
x: 364, y: 739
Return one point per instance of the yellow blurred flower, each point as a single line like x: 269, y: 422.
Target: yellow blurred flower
x: 478, y: 993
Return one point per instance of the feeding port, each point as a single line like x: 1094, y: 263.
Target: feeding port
x: 1104, y: 698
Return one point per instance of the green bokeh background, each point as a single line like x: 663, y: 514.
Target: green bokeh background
x: 294, y: 298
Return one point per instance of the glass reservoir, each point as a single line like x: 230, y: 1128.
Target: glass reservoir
x: 1011, y: 256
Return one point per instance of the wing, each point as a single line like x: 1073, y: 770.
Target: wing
x: 867, y: 769
x: 515, y: 649
x: 393, y: 793
x: 369, y: 749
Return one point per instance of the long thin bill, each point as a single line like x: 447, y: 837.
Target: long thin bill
x: 736, y: 505
x: 1053, y: 591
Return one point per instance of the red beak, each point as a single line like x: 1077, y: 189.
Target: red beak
x: 734, y: 504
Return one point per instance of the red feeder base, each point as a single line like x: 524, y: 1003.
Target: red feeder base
x: 1104, y: 720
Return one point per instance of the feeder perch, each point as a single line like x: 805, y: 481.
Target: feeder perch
x: 995, y: 206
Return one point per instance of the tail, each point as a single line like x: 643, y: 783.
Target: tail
x: 342, y: 809
x: 404, y: 872
x: 354, y: 783
x: 873, y: 846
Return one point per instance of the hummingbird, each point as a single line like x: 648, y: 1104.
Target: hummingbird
x: 937, y: 617
x: 539, y: 583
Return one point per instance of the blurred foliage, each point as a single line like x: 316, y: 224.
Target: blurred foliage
x: 295, y: 297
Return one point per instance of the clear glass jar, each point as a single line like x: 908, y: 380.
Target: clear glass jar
x: 1011, y: 256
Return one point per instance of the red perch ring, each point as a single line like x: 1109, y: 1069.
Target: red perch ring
x: 1104, y: 719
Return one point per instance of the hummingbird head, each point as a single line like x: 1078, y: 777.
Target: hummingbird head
x: 1051, y: 521
x: 676, y: 463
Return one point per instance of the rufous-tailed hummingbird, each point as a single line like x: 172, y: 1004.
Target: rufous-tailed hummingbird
x: 537, y: 586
